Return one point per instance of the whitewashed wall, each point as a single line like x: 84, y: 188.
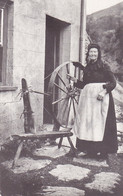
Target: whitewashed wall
x: 28, y: 58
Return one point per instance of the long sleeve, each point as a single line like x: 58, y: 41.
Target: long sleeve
x: 78, y: 64
x: 111, y: 81
x: 79, y: 84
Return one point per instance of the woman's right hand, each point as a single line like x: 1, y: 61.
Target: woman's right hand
x: 77, y: 64
x: 72, y: 78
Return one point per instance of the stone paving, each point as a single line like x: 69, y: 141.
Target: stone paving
x: 92, y: 162
x: 70, y: 172
x: 52, y: 152
x: 79, y: 169
x: 104, y: 182
x: 62, y: 191
x: 26, y: 164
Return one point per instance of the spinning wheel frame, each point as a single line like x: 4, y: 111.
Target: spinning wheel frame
x: 63, y: 99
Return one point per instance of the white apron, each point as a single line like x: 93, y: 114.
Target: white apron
x: 91, y: 113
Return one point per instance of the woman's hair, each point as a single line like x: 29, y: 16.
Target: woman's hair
x: 99, y: 63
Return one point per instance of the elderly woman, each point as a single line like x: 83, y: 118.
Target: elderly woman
x: 95, y: 123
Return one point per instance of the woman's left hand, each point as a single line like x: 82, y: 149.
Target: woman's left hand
x: 101, y: 95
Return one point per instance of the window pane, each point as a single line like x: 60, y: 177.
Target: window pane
x: 1, y: 55
x: 0, y: 24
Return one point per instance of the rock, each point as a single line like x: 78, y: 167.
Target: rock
x: 92, y: 162
x: 70, y: 172
x: 51, y: 151
x: 60, y: 191
x: 26, y: 164
x: 120, y: 127
x: 104, y: 182
x: 120, y: 149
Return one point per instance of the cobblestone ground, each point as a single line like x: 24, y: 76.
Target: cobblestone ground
x: 56, y: 172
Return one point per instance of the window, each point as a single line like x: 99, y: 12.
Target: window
x: 1, y: 27
x: 6, y: 42
x: 1, y: 41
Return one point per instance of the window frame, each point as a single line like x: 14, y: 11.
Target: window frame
x: 6, y: 83
x: 6, y: 78
x: 4, y: 46
x: 1, y: 22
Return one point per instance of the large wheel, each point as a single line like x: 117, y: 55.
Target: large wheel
x: 64, y: 96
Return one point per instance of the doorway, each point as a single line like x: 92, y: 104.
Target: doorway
x: 53, y: 54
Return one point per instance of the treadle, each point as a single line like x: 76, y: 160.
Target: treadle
x: 43, y: 134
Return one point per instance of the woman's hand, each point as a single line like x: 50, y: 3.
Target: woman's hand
x: 101, y: 95
x: 72, y: 78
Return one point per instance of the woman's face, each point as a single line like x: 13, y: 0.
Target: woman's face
x: 93, y: 54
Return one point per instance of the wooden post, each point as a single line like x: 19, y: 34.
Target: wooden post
x: 82, y: 32
x: 17, y: 155
x: 28, y: 113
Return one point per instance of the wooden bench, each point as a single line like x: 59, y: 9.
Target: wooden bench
x: 42, y: 135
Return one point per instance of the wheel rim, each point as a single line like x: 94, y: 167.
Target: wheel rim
x: 64, y: 96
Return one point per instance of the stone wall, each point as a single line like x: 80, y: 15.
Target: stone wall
x: 27, y: 57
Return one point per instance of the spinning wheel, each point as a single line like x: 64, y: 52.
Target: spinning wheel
x: 64, y: 96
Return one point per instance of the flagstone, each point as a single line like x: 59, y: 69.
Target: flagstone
x: 105, y: 182
x: 26, y: 164
x: 69, y: 172
x: 60, y: 191
x: 120, y: 149
x: 51, y: 151
x: 92, y: 162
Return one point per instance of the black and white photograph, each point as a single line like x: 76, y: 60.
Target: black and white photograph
x: 61, y: 97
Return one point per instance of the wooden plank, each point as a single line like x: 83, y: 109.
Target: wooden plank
x: 72, y: 146
x: 60, y: 142
x: 17, y: 155
x: 44, y: 134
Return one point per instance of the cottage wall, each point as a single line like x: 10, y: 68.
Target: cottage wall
x: 26, y: 50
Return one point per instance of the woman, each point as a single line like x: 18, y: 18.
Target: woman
x: 95, y: 123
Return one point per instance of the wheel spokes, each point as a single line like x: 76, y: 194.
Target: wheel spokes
x: 69, y: 111
x: 62, y: 111
x: 74, y: 109
x: 60, y: 88
x: 64, y: 94
x: 75, y: 100
x: 59, y: 100
x: 67, y: 68
x: 62, y: 81
x: 75, y: 70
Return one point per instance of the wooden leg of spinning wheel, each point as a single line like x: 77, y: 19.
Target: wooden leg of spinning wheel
x: 17, y: 155
x: 71, y: 144
x: 60, y: 142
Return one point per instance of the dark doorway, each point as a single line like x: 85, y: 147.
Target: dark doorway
x: 57, y: 51
x: 51, y: 56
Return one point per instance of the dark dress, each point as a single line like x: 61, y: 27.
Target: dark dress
x: 93, y: 73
